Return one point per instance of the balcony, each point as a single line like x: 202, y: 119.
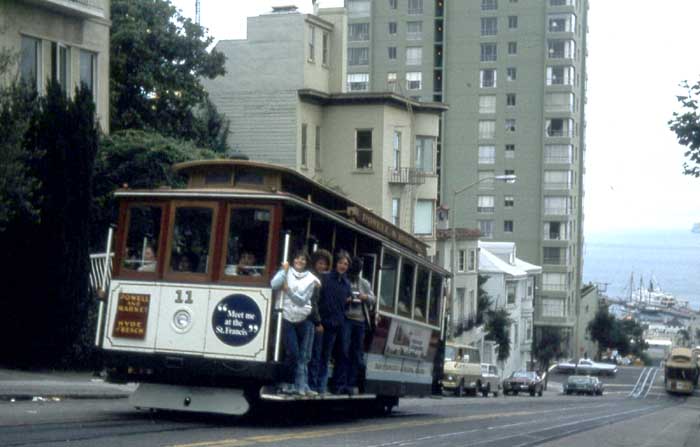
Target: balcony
x: 406, y: 176
x: 86, y: 9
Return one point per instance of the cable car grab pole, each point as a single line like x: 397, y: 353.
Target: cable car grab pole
x: 278, y: 333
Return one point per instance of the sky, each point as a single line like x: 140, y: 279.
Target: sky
x: 638, y: 53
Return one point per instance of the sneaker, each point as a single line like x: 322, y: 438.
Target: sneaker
x: 311, y: 393
x: 354, y: 391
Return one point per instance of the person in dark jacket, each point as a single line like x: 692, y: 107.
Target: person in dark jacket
x: 335, y: 291
x: 321, y: 261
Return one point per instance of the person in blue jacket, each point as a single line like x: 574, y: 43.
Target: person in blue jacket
x: 335, y: 292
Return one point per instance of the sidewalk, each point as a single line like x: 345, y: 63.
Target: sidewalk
x: 47, y: 385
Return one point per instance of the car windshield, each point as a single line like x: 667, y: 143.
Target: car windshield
x: 579, y: 379
x: 523, y: 375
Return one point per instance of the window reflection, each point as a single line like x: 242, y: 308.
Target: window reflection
x: 435, y: 297
x: 388, y: 281
x: 248, y: 235
x: 406, y: 288
x: 191, y: 237
x: 140, y: 253
x: 420, y: 311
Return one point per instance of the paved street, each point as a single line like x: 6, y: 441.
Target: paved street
x: 617, y: 418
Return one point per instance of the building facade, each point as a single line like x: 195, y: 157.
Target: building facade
x: 62, y: 40
x: 590, y: 303
x: 290, y: 103
x: 514, y: 76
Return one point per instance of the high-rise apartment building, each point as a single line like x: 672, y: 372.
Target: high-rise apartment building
x: 514, y: 76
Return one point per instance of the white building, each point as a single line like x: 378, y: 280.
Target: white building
x: 510, y: 285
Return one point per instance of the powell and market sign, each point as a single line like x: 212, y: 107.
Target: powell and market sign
x: 381, y: 226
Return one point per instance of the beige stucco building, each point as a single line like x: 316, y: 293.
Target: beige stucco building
x: 65, y: 40
x: 286, y: 95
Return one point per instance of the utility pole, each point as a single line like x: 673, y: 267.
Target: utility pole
x: 197, y: 12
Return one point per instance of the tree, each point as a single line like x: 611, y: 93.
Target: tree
x: 483, y: 301
x: 498, y: 330
x: 686, y: 125
x: 547, y: 346
x: 603, y: 329
x: 137, y: 159
x: 157, y: 60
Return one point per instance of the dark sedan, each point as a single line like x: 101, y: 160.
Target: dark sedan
x: 583, y: 385
x: 523, y: 381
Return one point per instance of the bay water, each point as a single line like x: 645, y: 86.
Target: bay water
x: 670, y: 257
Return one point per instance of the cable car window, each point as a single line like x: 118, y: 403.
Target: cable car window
x: 420, y: 308
x: 406, y: 288
x: 435, y: 297
x: 249, y: 176
x: 248, y: 237
x: 387, y: 279
x: 140, y: 253
x: 191, y: 240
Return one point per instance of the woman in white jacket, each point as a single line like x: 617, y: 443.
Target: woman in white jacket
x: 299, y: 295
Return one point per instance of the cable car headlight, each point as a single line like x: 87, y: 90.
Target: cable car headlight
x: 182, y: 320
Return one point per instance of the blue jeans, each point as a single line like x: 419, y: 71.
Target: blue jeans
x: 315, y: 363
x: 331, y: 336
x: 298, y: 340
x: 353, y: 349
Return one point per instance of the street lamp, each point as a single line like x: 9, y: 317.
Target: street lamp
x: 510, y: 178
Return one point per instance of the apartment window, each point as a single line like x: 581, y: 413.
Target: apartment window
x: 509, y: 201
x: 510, y: 99
x: 358, y: 56
x: 489, y: 5
x: 423, y: 223
x: 396, y: 211
x: 510, y: 294
x: 511, y: 74
x: 414, y: 30
x: 485, y: 178
x: 358, y: 82
x: 560, y: 75
x: 487, y: 104
x: 358, y: 8
x: 509, y: 172
x: 414, y: 80
x: 562, y: 2
x: 559, y: 102
x: 561, y: 23
x: 358, y: 32
x: 317, y: 148
x: 555, y: 256
x: 552, y: 307
x: 303, y: 145
x: 396, y: 143
x: 487, y: 129
x: 487, y: 78
x: 485, y: 204
x: 393, y: 28
x: 510, y: 125
x: 558, y: 153
x: 559, y: 127
x: 561, y: 49
x: 415, y: 7
x: 325, y: 49
x: 424, y: 153
x: 555, y: 282
x: 30, y: 62
x: 60, y: 65
x: 512, y: 47
x: 312, y: 40
x: 488, y: 52
x: 557, y: 205
x: 557, y: 179
x: 414, y: 55
x: 391, y: 81
x: 556, y: 231
x: 392, y: 53
x: 363, y: 149
x: 461, y: 260
x: 487, y: 154
x: 393, y: 4
x: 486, y: 228
x: 489, y: 26
x: 512, y: 22
x: 509, y: 151
x: 507, y: 226
x: 471, y: 262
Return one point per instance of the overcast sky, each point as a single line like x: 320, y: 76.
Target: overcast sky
x: 638, y: 52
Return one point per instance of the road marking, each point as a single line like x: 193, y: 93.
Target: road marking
x: 651, y: 383
x: 314, y: 434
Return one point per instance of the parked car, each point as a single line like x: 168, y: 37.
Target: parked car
x: 523, y: 381
x: 583, y: 385
x: 490, y: 381
x: 461, y: 370
x: 586, y: 367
